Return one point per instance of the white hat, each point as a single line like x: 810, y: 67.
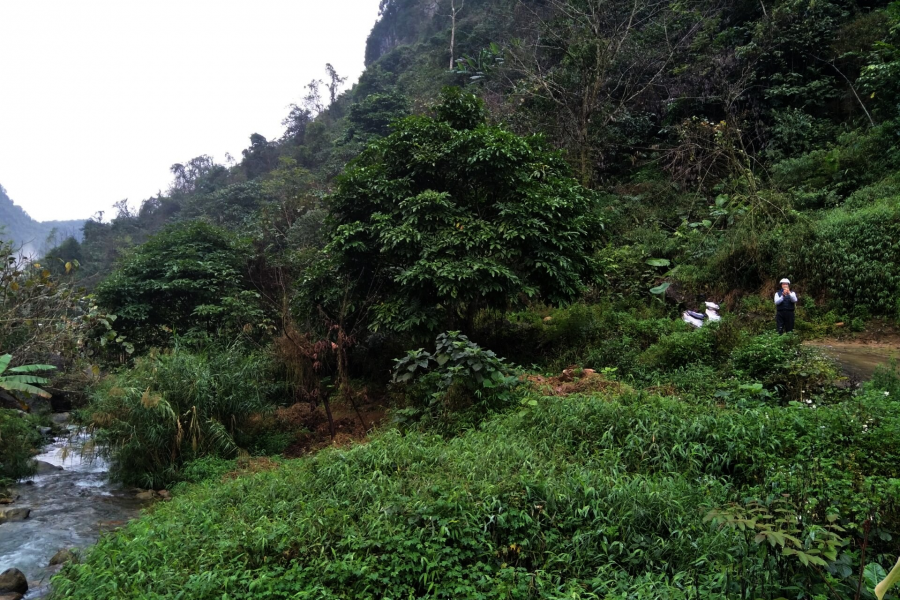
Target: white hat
x: 785, y: 280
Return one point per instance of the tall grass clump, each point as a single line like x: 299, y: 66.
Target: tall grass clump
x: 573, y: 497
x: 176, y: 406
x: 19, y: 438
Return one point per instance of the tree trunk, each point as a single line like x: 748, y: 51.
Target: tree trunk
x: 453, y: 12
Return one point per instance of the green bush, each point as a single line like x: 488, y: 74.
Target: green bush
x: 855, y: 259
x: 859, y: 158
x: 19, y: 438
x: 795, y: 372
x: 177, y: 406
x: 679, y: 349
x: 459, y: 383
x: 208, y: 468
x: 191, y: 279
x: 761, y: 355
x: 447, y: 216
x: 602, y: 335
x: 708, y: 345
x: 887, y: 379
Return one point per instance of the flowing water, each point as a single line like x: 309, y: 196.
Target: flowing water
x: 69, y: 509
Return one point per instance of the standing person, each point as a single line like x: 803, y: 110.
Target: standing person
x: 785, y: 300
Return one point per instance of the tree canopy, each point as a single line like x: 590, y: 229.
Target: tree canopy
x: 448, y: 215
x: 190, y: 278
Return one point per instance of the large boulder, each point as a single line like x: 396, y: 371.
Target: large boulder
x: 62, y: 557
x: 11, y: 596
x: 13, y: 581
x: 14, y: 514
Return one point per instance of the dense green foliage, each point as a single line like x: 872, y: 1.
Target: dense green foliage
x: 459, y: 384
x: 176, y: 406
x: 191, y: 279
x: 590, y: 153
x: 18, y: 438
x: 447, y: 216
x: 581, y: 497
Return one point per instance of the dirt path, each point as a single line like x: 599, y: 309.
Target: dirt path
x: 859, y: 358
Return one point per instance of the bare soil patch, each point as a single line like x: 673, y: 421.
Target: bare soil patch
x: 574, y: 381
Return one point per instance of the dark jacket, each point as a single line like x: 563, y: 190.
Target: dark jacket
x: 785, y: 303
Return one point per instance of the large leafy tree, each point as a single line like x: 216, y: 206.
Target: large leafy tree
x: 190, y: 278
x: 449, y: 215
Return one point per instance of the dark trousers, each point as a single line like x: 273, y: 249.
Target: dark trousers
x: 784, y: 319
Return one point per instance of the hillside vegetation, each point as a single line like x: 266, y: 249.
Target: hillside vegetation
x: 491, y: 238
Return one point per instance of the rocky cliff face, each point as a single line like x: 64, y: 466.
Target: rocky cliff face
x: 402, y: 22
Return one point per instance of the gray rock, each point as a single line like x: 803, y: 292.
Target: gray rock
x: 63, y: 556
x: 44, y: 467
x: 14, y: 514
x: 45, y: 431
x: 13, y: 581
x: 61, y: 418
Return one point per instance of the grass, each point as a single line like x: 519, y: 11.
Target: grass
x: 577, y: 497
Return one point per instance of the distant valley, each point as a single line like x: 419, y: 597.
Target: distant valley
x: 32, y: 236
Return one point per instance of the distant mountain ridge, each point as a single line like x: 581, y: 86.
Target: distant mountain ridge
x: 18, y: 226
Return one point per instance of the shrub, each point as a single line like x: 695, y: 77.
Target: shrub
x: 447, y: 216
x: 856, y: 256
x: 178, y: 406
x: 859, y: 158
x: 679, y: 349
x: 602, y: 335
x: 460, y: 376
x: 784, y: 366
x: 19, y: 438
x: 887, y: 379
x: 759, y: 356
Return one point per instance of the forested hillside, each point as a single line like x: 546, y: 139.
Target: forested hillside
x: 34, y: 236
x: 717, y: 131
x: 478, y: 258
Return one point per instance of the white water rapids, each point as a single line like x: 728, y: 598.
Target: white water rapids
x: 69, y: 509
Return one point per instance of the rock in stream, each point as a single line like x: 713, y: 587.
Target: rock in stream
x: 66, y: 505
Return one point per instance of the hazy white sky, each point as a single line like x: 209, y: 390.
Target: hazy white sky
x: 98, y: 98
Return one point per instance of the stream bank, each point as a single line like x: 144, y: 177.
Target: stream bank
x: 71, y: 502
x: 858, y: 359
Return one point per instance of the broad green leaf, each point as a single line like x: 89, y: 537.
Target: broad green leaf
x: 32, y: 368
x: 14, y: 386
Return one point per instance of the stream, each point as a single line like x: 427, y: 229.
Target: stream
x: 70, y: 507
x: 858, y: 361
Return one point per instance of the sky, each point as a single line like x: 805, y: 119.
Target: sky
x: 98, y: 98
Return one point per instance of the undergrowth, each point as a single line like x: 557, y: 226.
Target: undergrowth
x: 575, y: 497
